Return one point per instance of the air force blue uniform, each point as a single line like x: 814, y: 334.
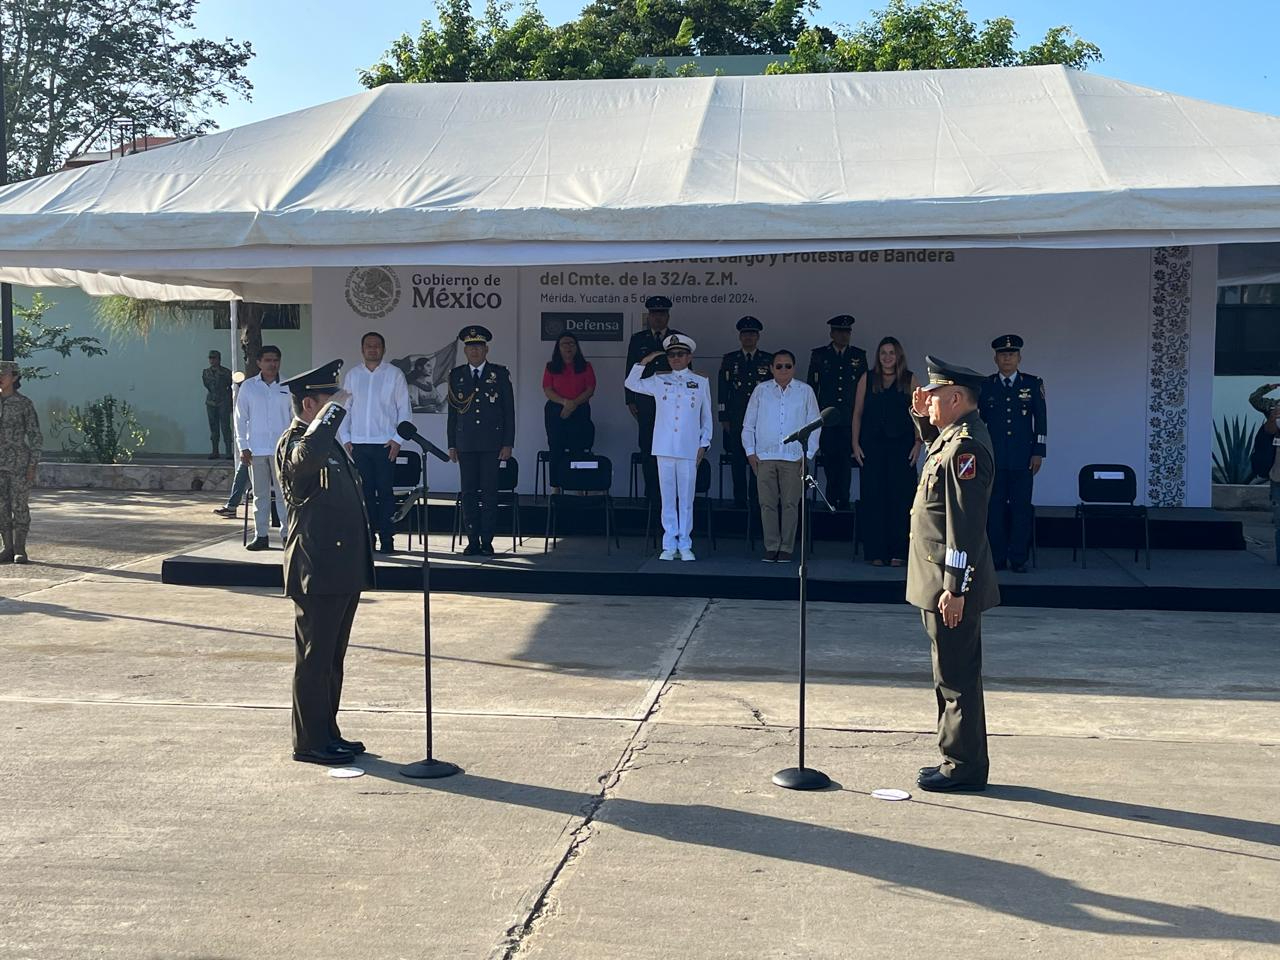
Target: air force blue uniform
x: 1015, y: 417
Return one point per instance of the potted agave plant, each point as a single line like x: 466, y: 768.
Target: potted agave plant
x: 1234, y: 485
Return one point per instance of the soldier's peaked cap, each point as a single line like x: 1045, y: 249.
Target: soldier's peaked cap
x: 842, y: 322
x: 943, y: 374
x: 475, y: 334
x: 749, y: 323
x: 678, y: 341
x: 1008, y: 342
x: 657, y: 303
x: 322, y: 379
x: 10, y: 366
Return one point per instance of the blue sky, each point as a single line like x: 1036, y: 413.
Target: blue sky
x: 1226, y: 52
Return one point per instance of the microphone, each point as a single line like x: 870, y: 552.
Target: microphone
x: 408, y: 431
x: 803, y: 433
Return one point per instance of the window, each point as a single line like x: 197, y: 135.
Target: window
x: 1248, y: 334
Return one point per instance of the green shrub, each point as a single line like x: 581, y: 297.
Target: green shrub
x: 104, y: 431
x: 1234, y: 442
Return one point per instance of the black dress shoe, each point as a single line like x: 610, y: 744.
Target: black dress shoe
x: 258, y: 543
x: 327, y: 756
x: 228, y: 512
x: 486, y: 549
x: 386, y: 547
x: 937, y: 783
x: 1018, y: 567
x: 341, y: 744
x: 925, y: 772
x: 472, y: 549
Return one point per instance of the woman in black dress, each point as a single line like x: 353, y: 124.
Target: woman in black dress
x: 886, y: 446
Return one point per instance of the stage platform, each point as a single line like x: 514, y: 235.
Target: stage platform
x: 1209, y: 580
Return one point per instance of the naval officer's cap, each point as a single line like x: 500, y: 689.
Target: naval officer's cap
x: 678, y: 341
x: 475, y: 334
x: 1009, y: 343
x: 322, y: 379
x: 748, y: 324
x: 658, y: 305
x: 943, y: 374
x: 842, y: 322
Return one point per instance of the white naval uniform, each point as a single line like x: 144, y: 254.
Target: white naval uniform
x: 682, y: 426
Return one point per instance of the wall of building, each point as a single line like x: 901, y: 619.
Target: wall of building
x: 158, y: 376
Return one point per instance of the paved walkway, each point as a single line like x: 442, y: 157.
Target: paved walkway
x: 617, y: 800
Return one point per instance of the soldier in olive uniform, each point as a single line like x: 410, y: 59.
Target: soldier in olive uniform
x: 328, y: 559
x: 482, y: 431
x: 642, y: 343
x: 218, y: 403
x: 834, y: 371
x: 740, y: 371
x: 949, y: 573
x: 1013, y: 407
x: 20, y: 443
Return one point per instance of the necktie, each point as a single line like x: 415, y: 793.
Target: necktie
x: 1008, y: 381
x: 475, y: 377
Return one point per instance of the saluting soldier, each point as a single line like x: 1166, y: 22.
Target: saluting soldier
x: 643, y: 343
x: 1013, y: 407
x: 949, y: 572
x: 328, y: 559
x: 834, y: 371
x: 482, y: 431
x: 20, y: 443
x: 740, y: 371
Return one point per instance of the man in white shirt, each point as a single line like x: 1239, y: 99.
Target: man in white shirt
x: 779, y: 407
x: 681, y: 436
x: 264, y: 411
x: 379, y: 403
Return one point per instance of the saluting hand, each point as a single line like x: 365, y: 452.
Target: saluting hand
x: 649, y: 358
x: 920, y: 402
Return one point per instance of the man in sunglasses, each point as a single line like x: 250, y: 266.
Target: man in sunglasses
x: 778, y: 407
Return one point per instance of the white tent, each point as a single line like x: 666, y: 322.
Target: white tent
x: 630, y: 170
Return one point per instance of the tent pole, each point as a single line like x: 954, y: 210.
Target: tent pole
x: 6, y: 290
x: 236, y: 361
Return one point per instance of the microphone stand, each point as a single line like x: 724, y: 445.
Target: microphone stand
x: 801, y: 777
x: 429, y: 768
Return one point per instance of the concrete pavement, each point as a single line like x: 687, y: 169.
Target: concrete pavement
x: 616, y: 800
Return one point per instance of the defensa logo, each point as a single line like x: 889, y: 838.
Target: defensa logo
x: 584, y: 326
x: 373, y: 292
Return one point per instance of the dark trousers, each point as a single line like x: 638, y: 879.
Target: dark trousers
x: 888, y: 488
x: 377, y: 476
x: 957, y: 685
x: 1011, y: 515
x: 321, y: 630
x: 646, y: 413
x: 574, y: 433
x: 220, y: 423
x: 836, y: 444
x: 744, y: 479
x: 479, y: 474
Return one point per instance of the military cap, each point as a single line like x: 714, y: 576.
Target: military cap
x: 678, y: 341
x: 657, y: 304
x: 323, y: 379
x: 475, y: 334
x: 842, y: 322
x: 749, y: 323
x: 10, y: 366
x: 943, y: 374
x: 1008, y: 343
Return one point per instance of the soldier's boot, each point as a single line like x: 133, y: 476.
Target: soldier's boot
x: 6, y: 556
x: 20, y: 545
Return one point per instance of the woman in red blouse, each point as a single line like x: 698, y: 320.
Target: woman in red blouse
x: 568, y: 383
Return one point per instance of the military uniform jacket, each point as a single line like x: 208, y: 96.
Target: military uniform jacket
x: 949, y: 548
x: 834, y: 378
x: 327, y: 550
x: 739, y: 375
x: 1015, y: 416
x: 642, y: 343
x: 20, y: 436
x: 682, y: 417
x: 484, y: 418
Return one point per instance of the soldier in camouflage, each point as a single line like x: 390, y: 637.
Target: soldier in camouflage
x: 20, y: 442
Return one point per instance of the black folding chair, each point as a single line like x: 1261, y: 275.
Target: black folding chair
x: 585, y: 480
x: 406, y: 483
x: 726, y: 460
x: 701, y: 490
x: 508, y: 479
x: 541, y: 468
x: 1109, y: 491
x: 638, y: 458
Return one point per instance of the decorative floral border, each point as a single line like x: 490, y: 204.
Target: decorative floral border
x: 1169, y: 373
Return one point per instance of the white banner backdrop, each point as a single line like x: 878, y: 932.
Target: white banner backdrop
x: 1085, y: 316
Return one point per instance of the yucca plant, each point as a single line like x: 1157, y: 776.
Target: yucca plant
x: 1234, y: 441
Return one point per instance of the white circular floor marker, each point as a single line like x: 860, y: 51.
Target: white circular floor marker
x: 346, y: 773
x: 889, y: 793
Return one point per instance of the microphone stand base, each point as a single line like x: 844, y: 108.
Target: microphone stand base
x: 802, y: 778
x: 429, y: 769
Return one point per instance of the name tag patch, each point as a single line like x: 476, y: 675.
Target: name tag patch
x: 966, y: 466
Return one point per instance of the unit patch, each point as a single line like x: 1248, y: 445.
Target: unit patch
x: 966, y: 466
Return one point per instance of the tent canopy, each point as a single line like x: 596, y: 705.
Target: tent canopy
x: 611, y: 171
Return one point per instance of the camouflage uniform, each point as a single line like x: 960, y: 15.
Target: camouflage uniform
x: 20, y: 443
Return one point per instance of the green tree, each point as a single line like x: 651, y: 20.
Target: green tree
x: 36, y: 335
x: 75, y: 67
x: 931, y: 35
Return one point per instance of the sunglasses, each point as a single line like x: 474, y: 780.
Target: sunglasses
x: 783, y: 366
x: 678, y: 353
